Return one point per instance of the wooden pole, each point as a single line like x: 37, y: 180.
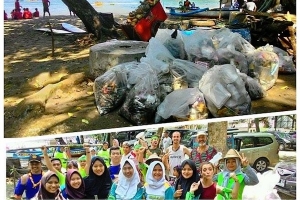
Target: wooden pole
x: 52, y: 36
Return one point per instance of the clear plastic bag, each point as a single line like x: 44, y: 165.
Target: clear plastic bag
x: 225, y: 92
x: 142, y: 100
x: 266, y: 66
x: 193, y: 71
x: 253, y: 87
x: 172, y: 40
x: 179, y: 103
x: 110, y: 88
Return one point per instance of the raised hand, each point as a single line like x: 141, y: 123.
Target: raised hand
x: 194, y: 186
x: 244, y: 160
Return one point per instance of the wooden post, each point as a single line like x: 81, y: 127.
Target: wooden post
x: 292, y: 34
x: 52, y: 36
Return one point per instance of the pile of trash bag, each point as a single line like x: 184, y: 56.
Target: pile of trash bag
x: 190, y: 75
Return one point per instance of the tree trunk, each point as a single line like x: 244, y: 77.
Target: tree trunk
x: 256, y: 121
x: 93, y: 21
x: 217, y: 136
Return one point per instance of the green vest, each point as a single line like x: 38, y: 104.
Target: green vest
x: 105, y: 156
x: 227, y: 191
x: 61, y: 156
x: 82, y: 172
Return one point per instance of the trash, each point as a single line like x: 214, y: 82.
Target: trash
x: 110, y: 88
x: 253, y: 87
x: 266, y: 66
x: 142, y: 100
x: 224, y: 91
x: 180, y: 103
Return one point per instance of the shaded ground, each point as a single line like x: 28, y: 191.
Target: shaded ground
x: 68, y: 105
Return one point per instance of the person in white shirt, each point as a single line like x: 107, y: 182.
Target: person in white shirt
x: 166, y: 141
x: 175, y: 154
x: 251, y: 5
x: 127, y: 152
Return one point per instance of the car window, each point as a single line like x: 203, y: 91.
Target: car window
x: 247, y: 142
x: 263, y: 141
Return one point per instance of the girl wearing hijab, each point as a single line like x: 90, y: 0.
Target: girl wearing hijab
x: 129, y: 185
x: 189, y: 175
x: 233, y: 163
x: 98, y: 182
x: 156, y: 186
x: 49, y: 188
x: 74, y: 187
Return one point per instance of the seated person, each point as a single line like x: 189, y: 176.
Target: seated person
x: 36, y: 13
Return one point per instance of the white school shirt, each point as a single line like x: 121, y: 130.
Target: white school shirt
x: 175, y: 158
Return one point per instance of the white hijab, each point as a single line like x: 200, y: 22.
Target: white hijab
x: 127, y: 187
x: 155, y: 186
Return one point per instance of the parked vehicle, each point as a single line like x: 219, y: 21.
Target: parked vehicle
x: 261, y: 149
x: 287, y: 182
x: 285, y: 140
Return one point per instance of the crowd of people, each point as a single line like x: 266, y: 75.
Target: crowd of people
x: 163, y: 170
x: 17, y: 13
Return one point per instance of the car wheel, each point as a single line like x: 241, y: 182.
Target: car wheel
x: 260, y: 164
x: 281, y: 147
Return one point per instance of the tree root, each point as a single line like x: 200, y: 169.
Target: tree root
x: 35, y: 103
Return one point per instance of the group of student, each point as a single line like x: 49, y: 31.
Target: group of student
x: 136, y: 174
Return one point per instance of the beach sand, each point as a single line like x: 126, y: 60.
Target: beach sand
x: 29, y: 66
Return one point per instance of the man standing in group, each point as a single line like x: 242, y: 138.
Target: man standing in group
x: 204, y: 152
x: 127, y: 151
x: 166, y: 141
x: 175, y: 154
x: 46, y: 5
x: 104, y: 153
x: 115, y: 157
x: 154, y: 147
x: 30, y: 183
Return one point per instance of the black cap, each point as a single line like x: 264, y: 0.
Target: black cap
x: 34, y: 158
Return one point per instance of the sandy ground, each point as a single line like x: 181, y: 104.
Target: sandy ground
x: 29, y: 67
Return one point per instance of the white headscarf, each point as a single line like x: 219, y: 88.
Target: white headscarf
x: 127, y: 187
x: 155, y: 186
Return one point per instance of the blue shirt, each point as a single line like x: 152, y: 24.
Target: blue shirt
x: 30, y: 192
x: 113, y: 170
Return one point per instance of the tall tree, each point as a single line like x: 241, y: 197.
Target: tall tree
x: 217, y: 136
x: 94, y: 22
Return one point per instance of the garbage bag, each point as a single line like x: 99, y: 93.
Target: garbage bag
x: 181, y: 104
x: 110, y: 88
x: 224, y: 91
x: 253, y: 87
x: 265, y: 65
x: 142, y: 100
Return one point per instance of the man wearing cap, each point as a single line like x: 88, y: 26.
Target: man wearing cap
x: 204, y: 152
x: 154, y: 146
x: 104, y: 153
x: 175, y: 154
x: 30, y: 182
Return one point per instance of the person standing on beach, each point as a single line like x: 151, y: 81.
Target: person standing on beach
x: 46, y: 5
x: 17, y: 5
